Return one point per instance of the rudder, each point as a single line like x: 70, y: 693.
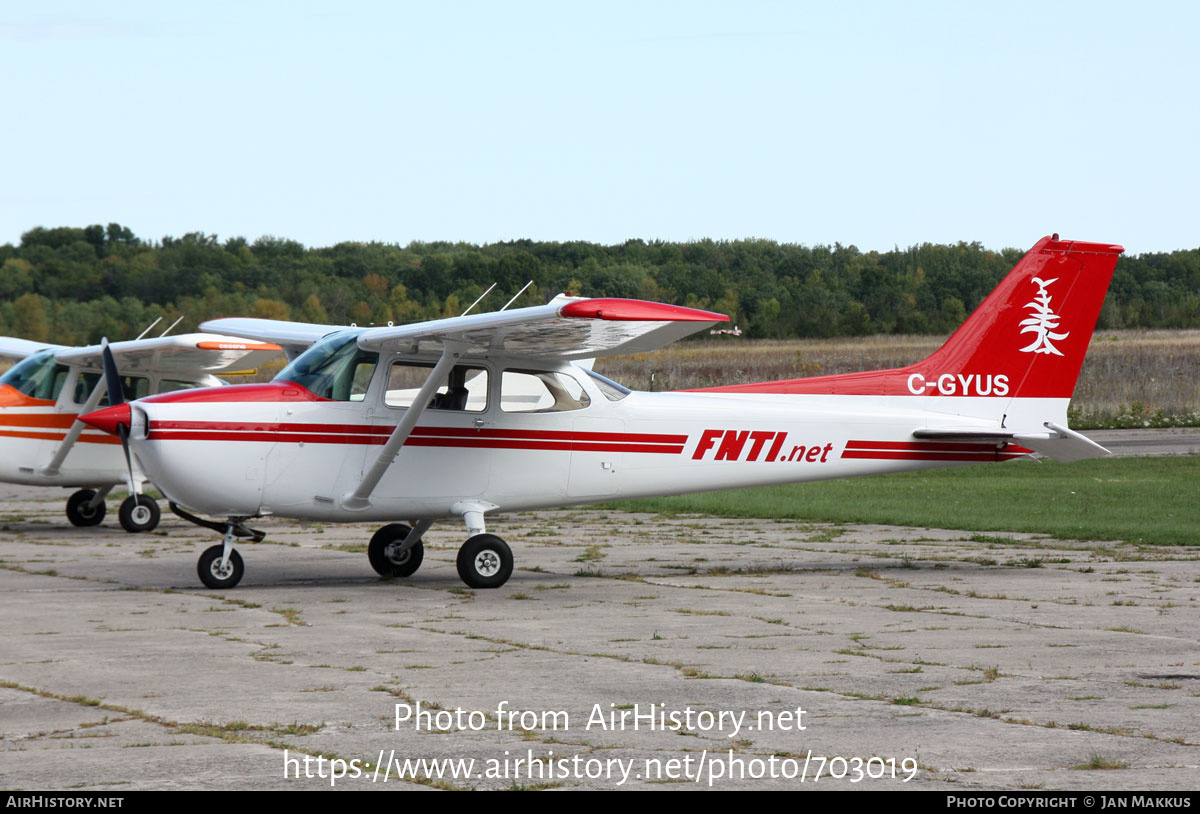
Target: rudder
x: 1030, y: 335
x: 1028, y: 338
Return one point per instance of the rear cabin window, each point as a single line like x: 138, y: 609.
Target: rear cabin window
x: 466, y: 389
x: 539, y: 391
x: 611, y: 390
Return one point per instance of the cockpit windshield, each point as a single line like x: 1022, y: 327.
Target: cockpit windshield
x: 333, y: 369
x: 37, y: 376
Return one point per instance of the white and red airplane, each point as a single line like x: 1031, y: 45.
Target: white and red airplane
x: 490, y: 412
x: 42, y: 441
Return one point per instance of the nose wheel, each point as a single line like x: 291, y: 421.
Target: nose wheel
x: 217, y: 572
x: 139, y: 513
x: 221, y: 566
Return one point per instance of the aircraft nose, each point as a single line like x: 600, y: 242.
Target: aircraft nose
x: 108, y: 418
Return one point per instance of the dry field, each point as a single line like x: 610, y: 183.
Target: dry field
x: 1130, y: 378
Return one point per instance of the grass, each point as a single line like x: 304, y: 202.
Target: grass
x: 1137, y: 500
x: 1099, y: 762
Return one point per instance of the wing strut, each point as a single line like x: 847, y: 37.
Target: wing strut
x: 360, y: 497
x: 76, y: 428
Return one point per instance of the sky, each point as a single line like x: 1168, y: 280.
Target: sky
x: 874, y: 124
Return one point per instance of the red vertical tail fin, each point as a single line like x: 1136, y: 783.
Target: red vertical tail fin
x: 1031, y: 333
x: 1027, y: 339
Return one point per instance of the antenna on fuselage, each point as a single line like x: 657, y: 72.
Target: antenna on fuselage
x: 148, y: 327
x: 173, y: 324
x: 481, y: 296
x: 519, y: 293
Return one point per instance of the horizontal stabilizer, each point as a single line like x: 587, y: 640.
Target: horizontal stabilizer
x: 1065, y: 444
x: 1056, y: 441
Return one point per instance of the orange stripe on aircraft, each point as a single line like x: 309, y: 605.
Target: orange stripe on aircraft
x: 50, y: 420
x: 31, y: 435
x: 12, y: 397
x: 35, y: 436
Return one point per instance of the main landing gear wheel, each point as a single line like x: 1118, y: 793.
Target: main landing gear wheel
x: 213, y: 575
x: 386, y: 557
x: 485, y: 561
x: 139, y: 513
x: 78, y: 512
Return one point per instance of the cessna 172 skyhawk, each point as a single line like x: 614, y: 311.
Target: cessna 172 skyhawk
x: 42, y: 441
x: 473, y: 414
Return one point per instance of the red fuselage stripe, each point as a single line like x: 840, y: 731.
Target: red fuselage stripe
x: 266, y: 437
x: 573, y: 446
x: 949, y: 448
x: 578, y: 445
x: 271, y: 426
x: 930, y: 456
x: 159, y: 427
x: 941, y: 446
x: 488, y: 438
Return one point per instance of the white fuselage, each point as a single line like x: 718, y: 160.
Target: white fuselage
x: 301, y: 458
x: 31, y: 435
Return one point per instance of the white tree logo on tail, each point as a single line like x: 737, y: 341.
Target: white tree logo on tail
x: 1042, y: 321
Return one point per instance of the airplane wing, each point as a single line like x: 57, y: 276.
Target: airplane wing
x: 17, y: 349
x: 294, y: 337
x: 565, y: 329
x: 1057, y: 442
x: 184, y: 354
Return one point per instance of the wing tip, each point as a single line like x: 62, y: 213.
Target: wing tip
x: 626, y: 310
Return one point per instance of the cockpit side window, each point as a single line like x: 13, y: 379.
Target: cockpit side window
x: 540, y: 391
x: 466, y: 390
x: 335, y: 369
x: 37, y: 376
x: 134, y: 387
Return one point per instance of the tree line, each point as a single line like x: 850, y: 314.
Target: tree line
x: 72, y: 285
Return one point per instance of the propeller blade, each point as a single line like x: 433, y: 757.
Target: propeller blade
x: 116, y: 393
x: 123, y: 434
x: 116, y: 398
